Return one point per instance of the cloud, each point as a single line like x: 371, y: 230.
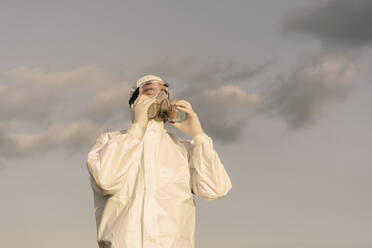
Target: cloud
x: 107, y: 103
x: 72, y: 136
x: 225, y: 111
x: 334, y: 22
x: 321, y: 79
x: 46, y: 106
x: 43, y: 111
x: 33, y: 95
x: 69, y: 109
x: 189, y: 75
x: 310, y: 89
x: 217, y: 74
x: 216, y: 90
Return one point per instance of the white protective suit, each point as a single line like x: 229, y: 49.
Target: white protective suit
x: 143, y: 188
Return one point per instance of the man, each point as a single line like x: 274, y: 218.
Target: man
x: 144, y: 178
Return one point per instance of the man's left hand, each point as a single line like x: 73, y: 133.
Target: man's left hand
x: 191, y: 125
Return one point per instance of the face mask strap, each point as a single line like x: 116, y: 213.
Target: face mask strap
x: 134, y: 94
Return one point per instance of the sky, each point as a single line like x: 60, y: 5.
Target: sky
x: 281, y: 86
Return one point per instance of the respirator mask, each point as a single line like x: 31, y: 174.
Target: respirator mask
x: 163, y: 109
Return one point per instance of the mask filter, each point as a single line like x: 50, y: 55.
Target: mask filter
x: 163, y: 110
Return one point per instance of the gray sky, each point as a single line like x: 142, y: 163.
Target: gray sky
x: 282, y: 87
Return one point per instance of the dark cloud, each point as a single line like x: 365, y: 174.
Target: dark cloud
x: 218, y: 74
x: 225, y: 112
x: 307, y: 93
x: 191, y: 75
x: 321, y: 79
x: 334, y: 22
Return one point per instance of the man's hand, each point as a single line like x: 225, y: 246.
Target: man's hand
x: 141, y: 106
x: 191, y: 125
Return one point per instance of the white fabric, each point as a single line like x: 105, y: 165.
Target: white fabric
x: 143, y: 188
x: 147, y: 78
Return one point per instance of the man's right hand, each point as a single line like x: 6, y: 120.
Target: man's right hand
x: 141, y: 105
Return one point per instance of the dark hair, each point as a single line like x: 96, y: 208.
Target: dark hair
x: 134, y: 97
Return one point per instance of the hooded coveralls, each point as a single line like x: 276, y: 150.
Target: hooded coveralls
x: 143, y: 188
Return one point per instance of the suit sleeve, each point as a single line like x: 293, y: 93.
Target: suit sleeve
x: 111, y: 157
x: 209, y: 179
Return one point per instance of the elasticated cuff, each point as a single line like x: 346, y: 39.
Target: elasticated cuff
x: 136, y: 131
x: 200, y: 138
